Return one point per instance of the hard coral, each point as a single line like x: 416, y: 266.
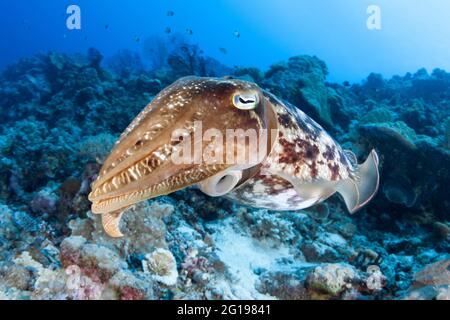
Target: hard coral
x: 162, y: 265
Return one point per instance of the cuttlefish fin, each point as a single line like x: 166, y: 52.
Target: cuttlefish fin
x: 360, y: 189
x: 350, y: 193
x: 110, y: 222
x: 312, y: 193
x: 357, y: 191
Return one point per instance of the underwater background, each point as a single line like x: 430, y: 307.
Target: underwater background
x: 372, y: 73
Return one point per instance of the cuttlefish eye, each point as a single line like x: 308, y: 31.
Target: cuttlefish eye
x: 246, y: 100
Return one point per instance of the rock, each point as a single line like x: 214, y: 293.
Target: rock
x: 94, y: 57
x: 129, y: 287
x: 96, y: 261
x: 265, y: 225
x: 332, y: 279
x: 143, y: 225
x: 394, y: 133
x: 18, y: 277
x: 45, y: 201
x: 250, y: 74
x: 301, y: 81
x: 407, y: 162
x: 318, y: 252
x: 148, y: 85
x: 446, y: 136
x: 285, y: 285
x: 378, y: 115
x: 96, y: 148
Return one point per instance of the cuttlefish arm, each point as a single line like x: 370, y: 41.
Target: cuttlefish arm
x: 110, y: 222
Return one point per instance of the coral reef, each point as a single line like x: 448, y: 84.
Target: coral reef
x: 61, y: 114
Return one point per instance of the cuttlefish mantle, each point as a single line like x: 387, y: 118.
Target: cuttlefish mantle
x: 299, y: 166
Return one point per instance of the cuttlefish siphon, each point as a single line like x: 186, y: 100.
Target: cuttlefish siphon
x: 202, y: 132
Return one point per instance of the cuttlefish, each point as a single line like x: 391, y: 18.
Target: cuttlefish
x: 298, y: 166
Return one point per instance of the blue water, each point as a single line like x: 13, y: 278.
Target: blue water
x: 414, y: 33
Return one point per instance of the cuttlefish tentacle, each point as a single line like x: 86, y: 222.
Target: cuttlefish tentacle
x: 157, y: 186
x: 301, y: 166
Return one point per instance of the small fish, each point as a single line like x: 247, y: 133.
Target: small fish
x: 168, y: 30
x: 223, y: 50
x: 300, y: 167
x: 189, y: 31
x: 170, y: 13
x: 237, y: 34
x: 137, y: 39
x: 106, y: 26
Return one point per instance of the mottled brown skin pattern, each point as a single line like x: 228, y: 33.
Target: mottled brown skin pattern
x: 139, y: 167
x: 303, y: 150
x: 314, y: 147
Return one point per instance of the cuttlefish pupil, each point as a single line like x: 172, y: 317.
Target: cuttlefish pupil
x: 301, y: 165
